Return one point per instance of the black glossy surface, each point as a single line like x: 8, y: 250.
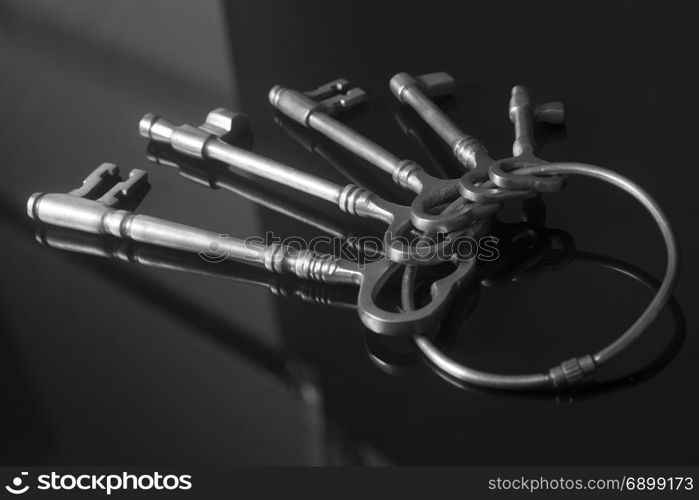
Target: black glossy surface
x: 110, y: 362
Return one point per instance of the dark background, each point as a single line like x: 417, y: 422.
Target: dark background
x: 109, y: 362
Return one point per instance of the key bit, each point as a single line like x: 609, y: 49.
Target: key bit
x: 98, y: 182
x: 337, y: 95
x: 330, y: 98
x: 339, y: 86
x: 549, y: 112
x: 227, y: 124
x: 220, y: 123
x: 238, y: 133
x: 432, y: 84
x: 104, y: 185
x: 128, y: 193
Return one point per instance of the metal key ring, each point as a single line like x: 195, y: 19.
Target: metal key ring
x: 544, y: 240
x: 575, y: 370
x: 409, y: 363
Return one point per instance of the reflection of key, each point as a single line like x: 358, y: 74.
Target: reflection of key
x: 163, y: 258
x: 340, y: 160
x: 207, y: 142
x: 431, y: 192
x: 94, y: 216
x: 297, y: 374
x: 420, y: 132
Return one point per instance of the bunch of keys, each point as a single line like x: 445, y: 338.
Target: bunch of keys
x: 442, y: 211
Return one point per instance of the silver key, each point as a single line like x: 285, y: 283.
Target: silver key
x: 430, y: 191
x: 100, y: 216
x: 216, y: 175
x: 208, y: 142
x: 476, y: 184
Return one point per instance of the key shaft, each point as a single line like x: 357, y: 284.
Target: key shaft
x: 273, y: 170
x: 203, y: 144
x: 412, y: 91
x: 72, y: 212
x: 309, y: 113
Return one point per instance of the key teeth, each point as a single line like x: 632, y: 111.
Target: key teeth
x: 550, y: 112
x: 126, y: 190
x: 99, y: 180
x: 224, y: 123
x: 340, y: 102
x: 335, y: 96
x: 329, y: 98
x: 329, y: 89
x: 436, y: 84
x: 105, y: 182
x: 432, y: 84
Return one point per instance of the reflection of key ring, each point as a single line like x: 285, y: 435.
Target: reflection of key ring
x: 575, y: 370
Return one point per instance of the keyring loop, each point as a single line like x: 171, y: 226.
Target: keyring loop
x: 575, y: 370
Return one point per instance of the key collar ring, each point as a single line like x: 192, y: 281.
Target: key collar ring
x: 575, y: 370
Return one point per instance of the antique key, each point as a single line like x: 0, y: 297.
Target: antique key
x: 87, y: 209
x: 475, y: 184
x: 207, y: 142
x: 314, y: 110
x: 217, y: 175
